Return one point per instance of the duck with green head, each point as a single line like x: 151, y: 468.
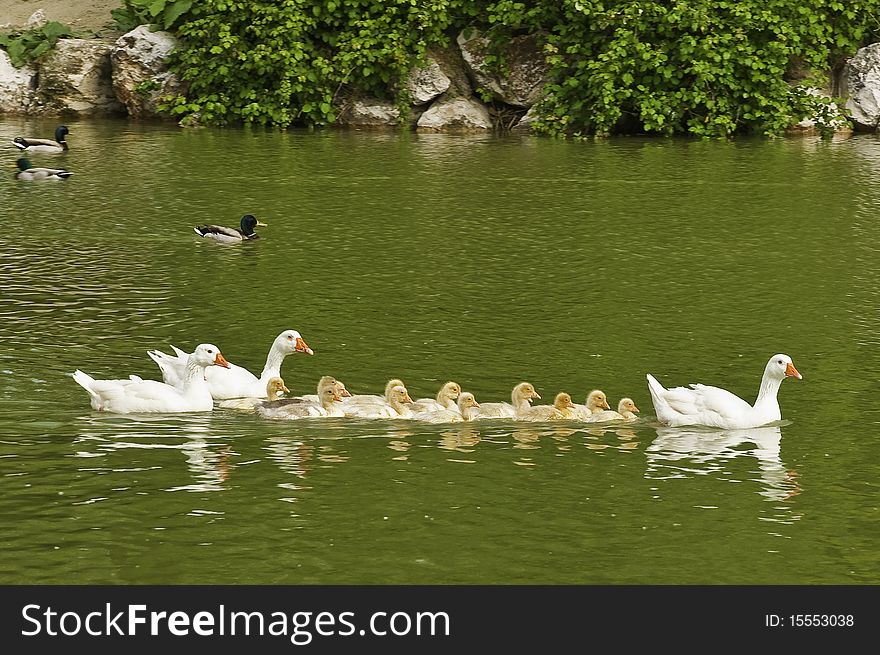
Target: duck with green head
x: 50, y: 146
x: 27, y: 171
x: 230, y: 234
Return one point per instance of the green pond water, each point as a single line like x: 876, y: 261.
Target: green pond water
x: 480, y: 259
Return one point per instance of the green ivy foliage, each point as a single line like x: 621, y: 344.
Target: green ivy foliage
x: 283, y: 62
x: 23, y: 47
x: 699, y: 67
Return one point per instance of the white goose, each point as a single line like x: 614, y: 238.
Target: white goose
x: 445, y: 400
x: 718, y: 408
x: 296, y: 408
x: 520, y: 401
x: 136, y: 395
x: 235, y: 381
x: 274, y: 390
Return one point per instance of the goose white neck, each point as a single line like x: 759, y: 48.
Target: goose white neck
x: 194, y: 378
x: 766, y: 400
x: 274, y: 360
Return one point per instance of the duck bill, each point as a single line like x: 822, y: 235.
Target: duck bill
x: 635, y: 410
x: 220, y: 360
x: 407, y: 399
x: 285, y: 389
x: 536, y: 395
x: 792, y: 372
x: 261, y: 224
x: 344, y: 393
x: 605, y: 405
x: 301, y: 347
x: 476, y: 404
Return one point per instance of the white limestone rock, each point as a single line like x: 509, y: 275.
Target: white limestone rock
x: 140, y: 75
x: 427, y: 82
x: 370, y: 112
x: 464, y: 114
x: 75, y: 78
x: 524, y: 60
x: 16, y: 86
x: 862, y: 87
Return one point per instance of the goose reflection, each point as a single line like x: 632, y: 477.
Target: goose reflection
x: 683, y: 453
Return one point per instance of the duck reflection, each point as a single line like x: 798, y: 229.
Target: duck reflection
x: 682, y: 452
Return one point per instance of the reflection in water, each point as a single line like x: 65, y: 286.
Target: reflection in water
x: 684, y: 453
x: 209, y: 462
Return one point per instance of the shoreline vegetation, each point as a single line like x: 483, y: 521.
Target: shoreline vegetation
x: 570, y: 68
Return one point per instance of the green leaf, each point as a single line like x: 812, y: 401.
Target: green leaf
x: 175, y: 11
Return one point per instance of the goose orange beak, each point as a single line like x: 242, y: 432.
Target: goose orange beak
x: 635, y: 409
x: 476, y: 404
x: 605, y: 404
x: 220, y: 360
x: 536, y: 395
x: 285, y: 389
x: 407, y: 399
x: 344, y: 393
x: 301, y: 347
x: 792, y: 372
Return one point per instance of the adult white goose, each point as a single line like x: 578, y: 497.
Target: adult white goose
x: 445, y: 400
x: 520, y: 401
x: 561, y: 409
x: 296, y: 408
x: 235, y: 381
x: 275, y: 388
x: 136, y: 395
x: 719, y: 408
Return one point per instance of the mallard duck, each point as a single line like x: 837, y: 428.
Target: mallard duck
x: 235, y: 381
x: 27, y: 171
x: 719, y: 408
x: 275, y: 388
x: 29, y: 144
x: 520, y: 401
x: 445, y: 400
x: 560, y: 409
x: 230, y: 234
x: 595, y: 403
x: 296, y: 408
x: 136, y: 395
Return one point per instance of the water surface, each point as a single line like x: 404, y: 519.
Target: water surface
x: 479, y: 259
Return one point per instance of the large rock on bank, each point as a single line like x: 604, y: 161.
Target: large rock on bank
x: 862, y: 81
x: 457, y: 114
x: 75, y: 78
x: 524, y: 60
x: 16, y: 86
x: 139, y: 71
